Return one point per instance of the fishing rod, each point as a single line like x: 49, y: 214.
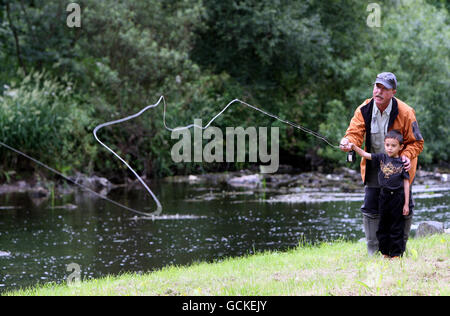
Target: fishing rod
x: 158, y: 210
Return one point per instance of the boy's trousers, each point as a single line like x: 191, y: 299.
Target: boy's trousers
x: 391, y: 229
x: 371, y: 218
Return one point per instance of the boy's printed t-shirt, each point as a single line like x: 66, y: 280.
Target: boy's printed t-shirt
x: 392, y: 173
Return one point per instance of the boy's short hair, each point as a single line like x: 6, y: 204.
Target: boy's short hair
x: 394, y: 134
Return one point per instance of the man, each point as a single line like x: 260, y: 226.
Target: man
x: 371, y: 121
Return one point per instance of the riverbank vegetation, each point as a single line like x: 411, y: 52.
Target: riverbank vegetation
x: 338, y: 268
x: 309, y: 62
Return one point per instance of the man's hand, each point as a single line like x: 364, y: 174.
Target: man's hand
x: 345, y: 145
x: 406, y: 163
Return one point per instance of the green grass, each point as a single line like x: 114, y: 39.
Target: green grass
x: 338, y: 268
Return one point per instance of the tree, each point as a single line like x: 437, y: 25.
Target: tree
x: 273, y: 45
x: 413, y: 43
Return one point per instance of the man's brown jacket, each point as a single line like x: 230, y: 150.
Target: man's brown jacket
x: 402, y: 118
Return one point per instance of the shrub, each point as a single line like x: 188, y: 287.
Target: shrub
x: 45, y: 119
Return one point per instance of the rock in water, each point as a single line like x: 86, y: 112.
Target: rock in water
x: 4, y: 254
x: 429, y: 228
x: 246, y: 181
x: 97, y: 184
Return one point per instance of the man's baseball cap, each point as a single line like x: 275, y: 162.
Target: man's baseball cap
x: 387, y: 79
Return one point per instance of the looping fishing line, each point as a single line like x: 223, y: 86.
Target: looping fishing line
x: 158, y: 204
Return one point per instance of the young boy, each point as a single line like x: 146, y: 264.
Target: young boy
x: 394, y: 195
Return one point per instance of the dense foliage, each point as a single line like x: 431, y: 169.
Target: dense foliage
x: 311, y: 62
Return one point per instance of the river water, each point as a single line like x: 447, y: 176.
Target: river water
x: 199, y: 223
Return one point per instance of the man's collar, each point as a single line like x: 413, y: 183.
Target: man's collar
x: 376, y: 109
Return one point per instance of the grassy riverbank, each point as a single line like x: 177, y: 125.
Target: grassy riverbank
x: 339, y: 268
